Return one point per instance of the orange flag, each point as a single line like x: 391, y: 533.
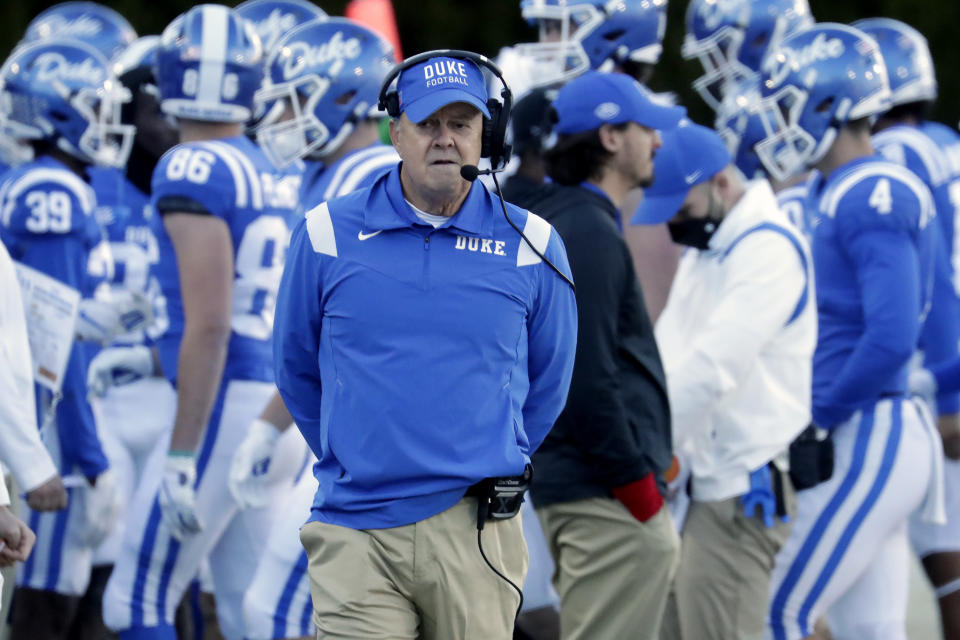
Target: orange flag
x: 377, y: 15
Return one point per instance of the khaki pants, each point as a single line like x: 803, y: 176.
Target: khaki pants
x: 424, y: 580
x: 613, y: 572
x: 721, y: 591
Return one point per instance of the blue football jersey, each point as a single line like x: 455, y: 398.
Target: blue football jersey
x: 48, y: 223
x: 355, y: 170
x: 913, y: 148
x: 126, y: 216
x: 948, y: 196
x: 232, y: 179
x: 873, y: 253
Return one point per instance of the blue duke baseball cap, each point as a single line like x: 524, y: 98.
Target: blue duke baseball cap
x: 437, y: 82
x: 690, y: 154
x: 596, y: 98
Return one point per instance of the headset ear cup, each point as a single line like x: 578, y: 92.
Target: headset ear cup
x: 494, y: 133
x: 391, y: 103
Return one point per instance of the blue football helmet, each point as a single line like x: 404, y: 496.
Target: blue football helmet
x: 907, y: 58
x: 209, y: 64
x: 105, y: 29
x: 740, y: 126
x: 142, y: 52
x: 274, y: 18
x: 594, y: 34
x: 63, y: 92
x: 731, y: 37
x: 327, y: 75
x: 818, y: 80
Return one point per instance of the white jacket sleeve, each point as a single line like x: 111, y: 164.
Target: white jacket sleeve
x: 764, y: 282
x: 20, y: 447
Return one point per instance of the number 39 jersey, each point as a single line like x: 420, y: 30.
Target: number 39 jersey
x: 873, y: 252
x: 231, y: 179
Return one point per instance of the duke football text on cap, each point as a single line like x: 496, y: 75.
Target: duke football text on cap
x: 690, y: 154
x: 437, y: 82
x: 595, y: 99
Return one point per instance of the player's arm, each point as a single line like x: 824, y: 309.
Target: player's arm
x: 205, y: 259
x: 764, y: 284
x: 888, y: 275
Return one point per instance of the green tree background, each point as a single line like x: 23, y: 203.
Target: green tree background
x: 486, y: 25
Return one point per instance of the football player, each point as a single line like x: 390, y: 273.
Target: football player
x: 326, y: 114
x: 225, y: 210
x: 907, y: 137
x: 62, y: 96
x: 848, y: 555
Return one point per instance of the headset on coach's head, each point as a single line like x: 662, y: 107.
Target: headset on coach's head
x: 494, y: 144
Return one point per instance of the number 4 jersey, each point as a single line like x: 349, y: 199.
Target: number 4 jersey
x: 231, y: 179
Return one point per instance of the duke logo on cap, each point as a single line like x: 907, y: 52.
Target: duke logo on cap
x: 437, y: 82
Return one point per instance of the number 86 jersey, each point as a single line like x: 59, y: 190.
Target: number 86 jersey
x: 232, y: 179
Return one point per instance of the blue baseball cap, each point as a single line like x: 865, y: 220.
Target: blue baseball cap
x: 690, y: 154
x: 437, y: 82
x: 595, y: 99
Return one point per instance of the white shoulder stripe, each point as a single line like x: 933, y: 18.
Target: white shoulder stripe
x: 537, y: 231
x: 241, y: 166
x: 346, y: 167
x: 320, y: 230
x: 902, y: 174
x: 71, y: 181
x: 922, y: 145
x: 363, y: 171
x: 240, y: 184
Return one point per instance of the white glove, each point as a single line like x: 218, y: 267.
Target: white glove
x: 100, y: 506
x: 120, y: 311
x: 117, y: 366
x: 251, y: 461
x: 178, y: 496
x: 921, y: 383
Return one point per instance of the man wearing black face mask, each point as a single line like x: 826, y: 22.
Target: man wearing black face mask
x: 599, y: 481
x: 737, y: 338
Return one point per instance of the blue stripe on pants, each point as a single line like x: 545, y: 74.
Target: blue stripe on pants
x: 883, y: 474
x: 778, y: 604
x: 286, y: 597
x: 28, y: 565
x: 56, y: 545
x: 143, y: 564
x: 306, y: 620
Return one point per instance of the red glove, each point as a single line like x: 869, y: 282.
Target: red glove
x: 641, y: 497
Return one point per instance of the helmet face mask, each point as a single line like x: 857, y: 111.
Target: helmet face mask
x: 739, y: 125
x: 731, y: 38
x: 286, y: 140
x: 786, y: 148
x: 593, y: 34
x: 718, y: 55
x: 63, y: 92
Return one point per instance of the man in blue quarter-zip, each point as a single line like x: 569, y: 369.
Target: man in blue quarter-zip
x: 423, y: 347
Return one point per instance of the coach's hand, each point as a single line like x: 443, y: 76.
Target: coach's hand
x: 251, y: 462
x: 117, y: 366
x: 100, y: 506
x: 178, y: 495
x: 49, y: 496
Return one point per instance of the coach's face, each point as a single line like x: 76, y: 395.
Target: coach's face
x: 434, y: 149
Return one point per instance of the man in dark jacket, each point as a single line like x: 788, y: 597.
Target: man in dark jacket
x: 598, y: 482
